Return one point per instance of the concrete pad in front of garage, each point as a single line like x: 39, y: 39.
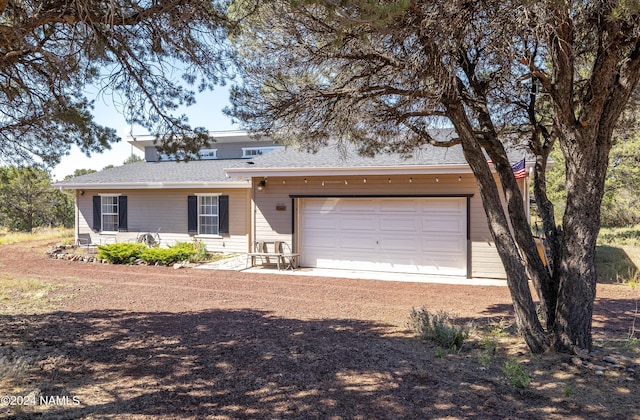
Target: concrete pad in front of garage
x: 239, y: 263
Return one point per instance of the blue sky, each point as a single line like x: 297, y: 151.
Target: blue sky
x: 207, y: 112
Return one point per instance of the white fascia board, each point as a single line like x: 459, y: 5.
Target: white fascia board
x: 156, y: 185
x: 362, y: 170
x: 231, y: 136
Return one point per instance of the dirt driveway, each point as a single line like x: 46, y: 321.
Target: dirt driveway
x: 154, y: 342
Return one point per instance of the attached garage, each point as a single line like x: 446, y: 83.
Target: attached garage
x: 426, y: 235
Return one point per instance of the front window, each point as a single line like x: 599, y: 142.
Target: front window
x: 208, y: 215
x: 109, y: 213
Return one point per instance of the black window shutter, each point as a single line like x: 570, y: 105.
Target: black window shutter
x: 223, y: 215
x: 122, y: 214
x: 97, y: 207
x: 192, y: 214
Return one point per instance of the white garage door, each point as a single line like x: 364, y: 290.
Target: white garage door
x: 405, y: 235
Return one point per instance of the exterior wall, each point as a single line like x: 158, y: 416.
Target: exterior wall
x: 272, y: 223
x: 224, y: 150
x: 234, y: 150
x: 165, y: 211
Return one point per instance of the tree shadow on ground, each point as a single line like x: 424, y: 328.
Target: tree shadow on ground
x: 250, y: 364
x: 612, y: 317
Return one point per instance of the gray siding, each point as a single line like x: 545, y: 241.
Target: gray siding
x: 234, y: 150
x: 272, y: 224
x: 165, y: 211
x: 224, y: 150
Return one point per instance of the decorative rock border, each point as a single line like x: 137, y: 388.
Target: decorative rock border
x: 68, y: 252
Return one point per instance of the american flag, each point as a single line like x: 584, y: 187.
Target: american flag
x: 519, y: 170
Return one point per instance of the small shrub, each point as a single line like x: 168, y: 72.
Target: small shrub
x: 439, y: 328
x: 181, y: 251
x: 485, y: 359
x: 120, y: 253
x: 567, y: 391
x: 632, y: 278
x: 631, y: 344
x: 201, y: 253
x: 13, y: 371
x: 489, y: 345
x: 515, y: 373
x: 440, y: 352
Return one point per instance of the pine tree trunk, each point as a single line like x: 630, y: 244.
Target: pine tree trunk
x: 525, y: 311
x: 576, y: 268
x: 586, y: 172
x: 578, y: 277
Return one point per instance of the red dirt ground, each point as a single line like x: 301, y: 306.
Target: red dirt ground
x: 154, y: 342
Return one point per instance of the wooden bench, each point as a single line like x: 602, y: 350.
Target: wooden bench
x: 287, y: 260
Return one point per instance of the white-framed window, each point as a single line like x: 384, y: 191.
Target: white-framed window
x: 249, y: 152
x: 204, y: 154
x: 208, y: 154
x: 109, y: 213
x: 165, y: 157
x: 208, y: 215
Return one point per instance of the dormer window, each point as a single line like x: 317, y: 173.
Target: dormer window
x: 249, y: 152
x: 203, y: 154
x: 208, y: 154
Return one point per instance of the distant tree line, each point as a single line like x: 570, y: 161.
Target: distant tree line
x: 621, y: 201
x: 29, y: 201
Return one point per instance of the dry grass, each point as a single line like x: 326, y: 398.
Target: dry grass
x: 23, y: 295
x: 64, y: 235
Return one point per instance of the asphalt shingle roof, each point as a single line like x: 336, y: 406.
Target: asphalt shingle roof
x: 213, y: 171
x: 160, y: 172
x: 335, y: 157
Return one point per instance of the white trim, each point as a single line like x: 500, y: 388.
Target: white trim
x: 203, y: 236
x: 217, y: 215
x: 460, y: 168
x: 208, y: 150
x: 217, y: 137
x: 244, y: 184
x: 261, y: 151
x: 109, y: 194
x: 354, y: 170
x: 208, y: 194
x: 103, y: 213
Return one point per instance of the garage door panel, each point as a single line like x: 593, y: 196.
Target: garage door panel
x: 365, y: 241
x: 398, y: 223
x: 400, y: 258
x: 414, y: 235
x: 444, y: 244
x: 407, y: 244
x: 356, y: 222
x: 447, y: 223
x: 321, y: 239
x: 321, y: 221
x: 403, y: 205
x: 321, y: 205
x: 443, y: 205
x: 360, y: 206
x: 355, y: 256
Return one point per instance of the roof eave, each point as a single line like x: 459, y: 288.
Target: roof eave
x: 353, y: 170
x: 153, y: 185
